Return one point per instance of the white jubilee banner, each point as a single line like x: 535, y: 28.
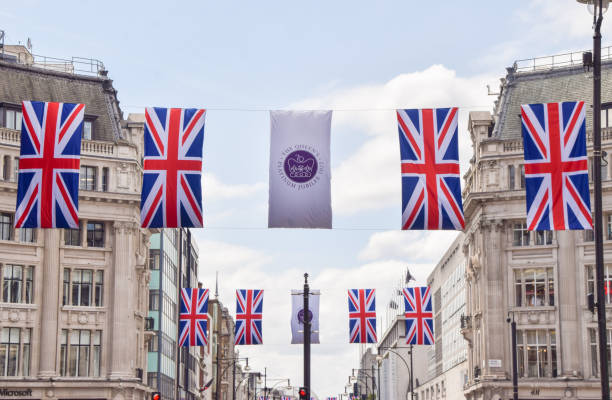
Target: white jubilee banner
x: 297, y: 316
x: 300, y: 176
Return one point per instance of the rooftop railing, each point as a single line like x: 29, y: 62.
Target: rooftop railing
x: 74, y: 65
x: 556, y: 61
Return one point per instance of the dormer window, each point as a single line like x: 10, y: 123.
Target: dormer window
x: 87, y: 129
x: 11, y: 117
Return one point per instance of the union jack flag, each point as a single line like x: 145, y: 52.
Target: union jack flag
x: 48, y: 183
x: 171, y: 184
x: 249, y: 309
x: 193, y: 319
x: 556, y: 170
x: 419, y: 315
x: 362, y: 315
x: 431, y: 187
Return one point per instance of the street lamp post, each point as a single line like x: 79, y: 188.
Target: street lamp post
x: 512, y: 323
x: 598, y: 8
x: 233, y: 360
x: 411, y: 385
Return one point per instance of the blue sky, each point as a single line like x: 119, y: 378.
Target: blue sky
x: 342, y: 55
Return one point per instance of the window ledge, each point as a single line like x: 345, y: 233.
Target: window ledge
x: 526, y: 309
x: 84, y: 308
x: 70, y: 247
x: 25, y: 306
x: 19, y: 243
x: 533, y: 247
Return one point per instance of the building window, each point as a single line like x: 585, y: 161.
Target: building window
x: 511, y: 176
x: 87, y: 178
x: 17, y: 284
x: 520, y: 235
x: 72, y: 237
x: 98, y: 288
x: 543, y: 237
x: 15, y: 352
x: 609, y: 226
x: 80, y: 352
x: 105, y: 179
x: 13, y: 119
x: 154, y: 259
x: 589, y: 235
x: 534, y: 287
x: 6, y: 168
x: 87, y: 129
x: 522, y: 171
x: 152, y: 379
x: 6, y: 226
x: 537, y: 353
x: 27, y: 235
x: 154, y: 300
x: 594, y: 344
x: 83, y: 287
x: 591, y: 279
x: 95, y: 234
x: 604, y: 170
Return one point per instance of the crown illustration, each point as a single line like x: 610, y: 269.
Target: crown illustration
x: 300, y: 167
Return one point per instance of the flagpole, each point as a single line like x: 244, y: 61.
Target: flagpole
x: 306, y: 337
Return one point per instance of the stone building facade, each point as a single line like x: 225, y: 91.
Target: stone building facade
x: 447, y: 358
x: 541, y: 279
x: 74, y: 301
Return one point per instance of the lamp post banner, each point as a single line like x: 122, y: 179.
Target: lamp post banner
x: 300, y: 175
x: 297, y: 316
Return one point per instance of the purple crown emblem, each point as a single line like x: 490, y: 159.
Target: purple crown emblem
x: 300, y: 166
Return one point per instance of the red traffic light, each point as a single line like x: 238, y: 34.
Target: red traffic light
x: 303, y: 394
x: 155, y: 396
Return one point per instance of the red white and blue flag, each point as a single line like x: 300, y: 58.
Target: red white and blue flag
x: 556, y: 169
x: 431, y: 186
x: 249, y: 311
x: 193, y: 318
x: 48, y: 184
x: 362, y: 315
x: 419, y: 315
x: 171, y: 185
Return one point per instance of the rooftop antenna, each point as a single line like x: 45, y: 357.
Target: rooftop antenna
x: 2, y: 41
x: 29, y: 44
x: 217, y: 284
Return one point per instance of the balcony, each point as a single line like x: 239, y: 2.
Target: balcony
x: 88, y: 147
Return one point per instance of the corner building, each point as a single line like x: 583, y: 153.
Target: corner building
x: 172, y: 370
x: 540, y: 278
x: 73, y: 301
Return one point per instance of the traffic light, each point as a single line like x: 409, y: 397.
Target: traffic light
x: 303, y: 393
x: 155, y: 396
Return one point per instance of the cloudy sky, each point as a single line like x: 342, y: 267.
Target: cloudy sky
x: 361, y: 59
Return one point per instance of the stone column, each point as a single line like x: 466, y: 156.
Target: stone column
x: 49, y: 304
x: 123, y: 350
x: 567, y: 294
x: 494, y: 318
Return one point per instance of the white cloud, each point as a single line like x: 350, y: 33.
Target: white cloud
x: 370, y: 177
x: 230, y: 257
x: 215, y: 189
x: 416, y: 246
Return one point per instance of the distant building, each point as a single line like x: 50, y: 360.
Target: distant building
x: 447, y: 358
x: 226, y: 367
x: 74, y: 301
x: 173, y: 261
x: 540, y: 278
x: 394, y: 375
